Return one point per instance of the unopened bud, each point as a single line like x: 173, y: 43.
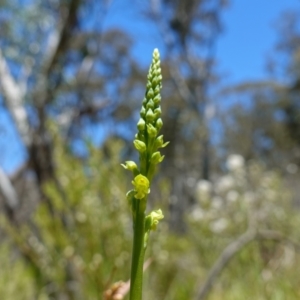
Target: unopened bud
x: 143, y: 112
x: 156, y: 158
x: 159, y: 142
x: 150, y: 94
x: 139, y: 146
x: 157, y: 99
x: 151, y: 130
x: 150, y: 115
x: 150, y: 104
x: 141, y: 124
x: 157, y: 112
x: 159, y: 124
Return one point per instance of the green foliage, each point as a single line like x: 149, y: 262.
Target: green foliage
x: 95, y: 245
x: 81, y: 244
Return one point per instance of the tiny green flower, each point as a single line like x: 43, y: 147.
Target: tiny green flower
x: 150, y: 115
x: 150, y: 104
x: 131, y: 166
x: 139, y: 146
x: 150, y: 93
x: 159, y: 142
x: 157, y: 99
x: 159, y: 124
x: 141, y: 124
x: 141, y: 186
x: 156, y: 158
x: 157, y: 89
x: 143, y: 112
x: 153, y: 219
x: 157, y: 112
x: 151, y: 130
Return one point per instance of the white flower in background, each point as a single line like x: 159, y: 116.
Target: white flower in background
x: 203, y: 190
x: 235, y: 162
x: 249, y: 197
x: 232, y: 196
x: 197, y: 214
x: 292, y: 168
x: 225, y: 183
x: 266, y: 180
x: 219, y: 225
x: 216, y: 202
x: 191, y: 182
x: 270, y: 195
x: 204, y: 187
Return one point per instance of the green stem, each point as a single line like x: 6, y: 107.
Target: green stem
x: 138, y: 252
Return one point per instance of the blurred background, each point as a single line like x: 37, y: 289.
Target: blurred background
x: 72, y: 79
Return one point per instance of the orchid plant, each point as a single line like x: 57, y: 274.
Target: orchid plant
x: 147, y: 142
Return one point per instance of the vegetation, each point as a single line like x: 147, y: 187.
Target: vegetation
x: 228, y: 186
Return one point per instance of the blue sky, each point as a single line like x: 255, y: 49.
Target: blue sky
x: 249, y: 36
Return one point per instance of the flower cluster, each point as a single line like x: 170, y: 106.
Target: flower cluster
x: 147, y: 140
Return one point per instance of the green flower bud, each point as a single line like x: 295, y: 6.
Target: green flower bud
x: 153, y: 219
x: 150, y: 115
x: 141, y: 124
x: 130, y: 165
x: 156, y: 54
x: 143, y: 112
x: 157, y: 112
x: 150, y: 104
x: 155, y: 82
x: 139, y: 146
x: 159, y: 142
x: 151, y: 130
x: 157, y: 90
x: 157, y: 72
x: 156, y: 158
x: 141, y: 186
x: 159, y: 124
x: 157, y: 99
x: 150, y: 94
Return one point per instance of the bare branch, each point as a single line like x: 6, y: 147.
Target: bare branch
x: 59, y: 39
x: 232, y: 249
x: 13, y: 99
x: 8, y: 192
x: 223, y: 260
